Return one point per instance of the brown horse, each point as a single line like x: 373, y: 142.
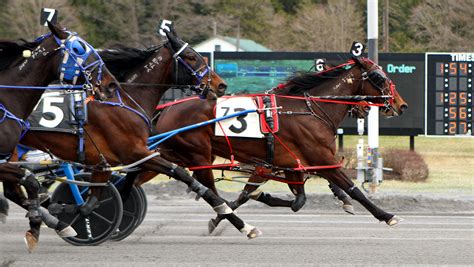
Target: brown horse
x: 307, y: 130
x: 34, y: 65
x: 117, y: 132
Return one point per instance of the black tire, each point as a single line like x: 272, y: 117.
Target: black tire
x: 103, y: 221
x: 132, y: 211
x: 144, y: 206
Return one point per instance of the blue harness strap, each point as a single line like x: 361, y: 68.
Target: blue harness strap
x: 122, y: 105
x: 24, y: 125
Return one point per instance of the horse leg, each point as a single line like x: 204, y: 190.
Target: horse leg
x: 206, y: 178
x: 251, y: 191
x: 296, y: 189
x: 25, y: 178
x: 341, y: 180
x: 13, y: 192
x: 92, y: 201
x: 342, y: 196
x: 127, y: 185
x: 3, y: 209
x: 160, y: 165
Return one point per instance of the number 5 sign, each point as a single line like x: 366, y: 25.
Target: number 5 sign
x: 165, y: 25
x: 247, y: 125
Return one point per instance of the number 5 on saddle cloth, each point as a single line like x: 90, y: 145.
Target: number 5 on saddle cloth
x: 60, y: 111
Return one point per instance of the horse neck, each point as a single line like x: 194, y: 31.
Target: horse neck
x: 28, y: 72
x: 149, y: 96
x: 346, y: 84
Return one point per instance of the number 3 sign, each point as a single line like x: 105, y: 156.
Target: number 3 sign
x: 357, y: 49
x: 247, y: 125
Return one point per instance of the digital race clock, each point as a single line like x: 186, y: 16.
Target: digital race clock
x: 449, y: 93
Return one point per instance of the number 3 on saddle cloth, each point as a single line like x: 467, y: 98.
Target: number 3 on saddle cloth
x: 259, y: 124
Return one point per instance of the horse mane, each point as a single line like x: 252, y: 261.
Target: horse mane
x: 303, y: 81
x: 10, y: 50
x: 120, y: 60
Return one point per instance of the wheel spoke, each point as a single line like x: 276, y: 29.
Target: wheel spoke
x: 106, y: 200
x: 102, y: 218
x: 75, y: 219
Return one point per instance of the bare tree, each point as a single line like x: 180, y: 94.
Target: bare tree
x: 21, y: 18
x: 443, y: 25
x: 319, y: 28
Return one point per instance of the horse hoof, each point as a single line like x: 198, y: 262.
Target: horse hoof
x: 254, y: 233
x: 211, y: 226
x: 394, y: 220
x: 349, y: 209
x: 67, y: 232
x: 30, y: 241
x: 3, y: 218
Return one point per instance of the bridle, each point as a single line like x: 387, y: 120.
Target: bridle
x: 199, y: 74
x: 375, y: 76
x: 378, y: 78
x: 76, y: 51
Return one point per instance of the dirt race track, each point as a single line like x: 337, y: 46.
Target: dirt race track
x: 175, y: 233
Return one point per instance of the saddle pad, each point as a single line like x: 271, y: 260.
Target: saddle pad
x: 247, y: 125
x: 54, y: 112
x: 272, y: 112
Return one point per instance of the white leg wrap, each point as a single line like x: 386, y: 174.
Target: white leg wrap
x: 223, y: 209
x: 247, y: 228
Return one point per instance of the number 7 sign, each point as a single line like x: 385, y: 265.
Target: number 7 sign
x: 48, y: 14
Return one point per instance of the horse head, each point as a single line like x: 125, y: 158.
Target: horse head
x: 79, y: 63
x: 194, y: 68
x: 377, y: 83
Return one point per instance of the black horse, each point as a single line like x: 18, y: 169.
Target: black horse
x: 31, y: 66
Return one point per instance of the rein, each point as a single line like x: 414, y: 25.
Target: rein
x: 121, y: 104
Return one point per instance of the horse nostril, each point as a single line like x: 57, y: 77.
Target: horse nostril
x: 222, y: 87
x: 403, y: 107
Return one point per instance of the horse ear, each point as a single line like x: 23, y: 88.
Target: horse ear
x: 57, y: 30
x: 173, y: 38
x: 358, y: 61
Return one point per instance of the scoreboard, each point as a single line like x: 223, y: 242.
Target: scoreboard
x: 449, y: 94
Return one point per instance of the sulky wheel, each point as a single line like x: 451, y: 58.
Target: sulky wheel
x: 144, y: 206
x: 132, y: 211
x: 100, y: 224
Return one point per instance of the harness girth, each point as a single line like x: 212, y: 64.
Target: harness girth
x: 80, y: 111
x: 271, y: 125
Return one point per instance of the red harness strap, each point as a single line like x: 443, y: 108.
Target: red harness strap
x: 165, y: 105
x: 316, y: 99
x: 229, y: 166
x: 325, y: 167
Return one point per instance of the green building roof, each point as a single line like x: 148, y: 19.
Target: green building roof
x: 247, y: 44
